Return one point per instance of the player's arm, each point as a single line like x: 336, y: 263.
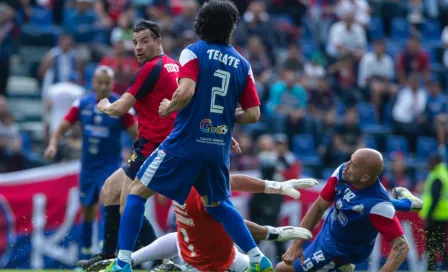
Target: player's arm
x: 119, y: 107
x: 180, y: 99
x: 250, y: 103
x: 70, y: 118
x: 280, y: 234
x: 383, y: 218
x: 245, y: 183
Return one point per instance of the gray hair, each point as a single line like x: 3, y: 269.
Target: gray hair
x: 105, y: 69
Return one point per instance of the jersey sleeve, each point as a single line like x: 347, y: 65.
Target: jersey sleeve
x: 329, y: 191
x: 249, y: 98
x: 189, y: 64
x: 383, y: 218
x: 145, y: 79
x: 128, y: 120
x: 72, y: 116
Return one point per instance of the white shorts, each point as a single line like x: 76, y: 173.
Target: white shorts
x: 240, y: 263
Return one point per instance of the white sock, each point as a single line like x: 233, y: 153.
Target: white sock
x: 255, y: 255
x: 164, y: 247
x: 125, y: 256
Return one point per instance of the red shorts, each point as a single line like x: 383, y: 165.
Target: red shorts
x: 142, y: 149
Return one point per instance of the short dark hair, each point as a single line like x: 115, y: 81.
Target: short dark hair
x: 150, y: 25
x: 216, y: 21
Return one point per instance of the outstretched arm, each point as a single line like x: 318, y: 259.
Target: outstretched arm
x: 277, y: 233
x: 119, y: 107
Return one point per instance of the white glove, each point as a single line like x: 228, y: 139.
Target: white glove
x: 282, y: 234
x: 288, y: 187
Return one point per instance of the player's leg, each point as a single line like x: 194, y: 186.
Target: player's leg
x: 405, y: 201
x: 161, y: 173
x: 241, y: 262
x: 214, y: 187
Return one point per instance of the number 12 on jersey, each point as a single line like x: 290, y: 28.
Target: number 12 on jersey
x: 221, y: 91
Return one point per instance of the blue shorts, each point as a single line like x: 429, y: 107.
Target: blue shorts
x: 173, y: 177
x: 316, y: 258
x: 90, y: 184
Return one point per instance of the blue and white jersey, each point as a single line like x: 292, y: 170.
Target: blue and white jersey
x: 101, y: 135
x: 203, y: 129
x: 356, y: 218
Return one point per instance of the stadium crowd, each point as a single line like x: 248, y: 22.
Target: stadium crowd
x: 333, y: 75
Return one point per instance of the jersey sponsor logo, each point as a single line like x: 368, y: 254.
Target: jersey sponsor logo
x: 171, y: 67
x: 184, y: 220
x: 358, y: 208
x: 206, y: 127
x: 343, y: 220
x: 339, y: 204
x: 214, y: 54
x: 348, y: 195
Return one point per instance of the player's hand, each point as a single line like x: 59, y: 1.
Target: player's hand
x: 50, y: 152
x: 290, y: 187
x: 163, y: 108
x: 236, y: 146
x: 294, y: 251
x: 287, y: 233
x: 103, y: 104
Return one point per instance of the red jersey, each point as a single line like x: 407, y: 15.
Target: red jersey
x: 203, y: 242
x: 155, y: 81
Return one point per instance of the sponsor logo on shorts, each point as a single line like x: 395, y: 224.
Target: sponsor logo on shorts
x: 207, y: 127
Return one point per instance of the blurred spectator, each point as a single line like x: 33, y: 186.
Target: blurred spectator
x: 170, y: 46
x: 297, y: 9
x: 247, y: 159
x: 157, y: 13
x: 360, y: 7
x: 294, y: 56
x: 322, y: 108
x: 114, y: 8
x: 413, y: 60
x: 399, y: 176
x: 256, y: 55
x: 6, y: 44
x: 11, y: 158
x: 410, y: 104
x: 347, y: 137
x: 436, y: 105
x: 321, y: 16
x: 265, y: 143
x: 376, y: 72
x: 287, y: 103
x: 124, y: 66
x: 88, y: 27
x: 123, y: 31
x: 347, y: 37
x: 435, y: 212
x: 58, y: 99
x: 314, y: 70
x: 256, y: 21
x: 287, y: 165
x: 415, y: 15
x: 445, y: 44
x: 185, y: 21
x: 345, y: 83
x: 59, y: 63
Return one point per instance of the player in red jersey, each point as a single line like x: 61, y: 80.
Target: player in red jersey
x: 202, y: 242
x: 156, y: 80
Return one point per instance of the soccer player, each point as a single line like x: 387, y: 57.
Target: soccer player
x: 156, y: 80
x: 202, y: 241
x: 361, y: 210
x: 101, y: 147
x: 213, y: 78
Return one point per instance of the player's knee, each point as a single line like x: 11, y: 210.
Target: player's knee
x: 138, y: 188
x: 110, y: 193
x: 88, y: 213
x: 282, y: 267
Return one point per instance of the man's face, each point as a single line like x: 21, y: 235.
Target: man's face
x: 257, y: 8
x: 145, y: 46
x: 351, y: 117
x: 413, y: 46
x: 290, y: 77
x: 353, y: 171
x: 65, y: 43
x: 379, y: 48
x: 102, y: 84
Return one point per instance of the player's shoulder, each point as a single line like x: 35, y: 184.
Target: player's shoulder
x: 337, y: 174
x: 382, y: 207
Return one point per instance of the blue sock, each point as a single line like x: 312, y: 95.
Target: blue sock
x: 130, y: 225
x: 233, y: 223
x: 87, y: 229
x: 403, y: 205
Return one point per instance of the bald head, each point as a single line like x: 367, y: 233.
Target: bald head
x: 371, y: 160
x: 103, y: 81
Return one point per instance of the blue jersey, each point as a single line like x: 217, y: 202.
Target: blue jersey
x: 203, y: 129
x: 351, y: 227
x: 101, y: 134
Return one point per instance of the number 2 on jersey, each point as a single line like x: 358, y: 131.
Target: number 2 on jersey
x: 221, y: 91
x: 187, y: 240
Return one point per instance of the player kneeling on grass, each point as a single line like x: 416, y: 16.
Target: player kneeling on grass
x: 202, y: 241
